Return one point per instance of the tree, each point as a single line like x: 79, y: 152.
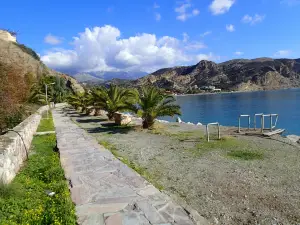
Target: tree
x: 114, y: 99
x: 56, y: 92
x: 152, y: 104
x: 80, y: 100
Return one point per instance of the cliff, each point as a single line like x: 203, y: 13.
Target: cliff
x: 237, y: 75
x: 24, y: 59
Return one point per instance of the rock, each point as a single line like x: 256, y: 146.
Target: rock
x: 122, y: 119
x: 178, y: 120
x: 293, y: 138
x: 199, y: 124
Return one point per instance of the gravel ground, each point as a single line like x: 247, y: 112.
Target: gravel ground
x: 223, y: 189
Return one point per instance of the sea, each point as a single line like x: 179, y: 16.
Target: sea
x: 225, y: 108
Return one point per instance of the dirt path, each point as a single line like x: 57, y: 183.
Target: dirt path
x: 239, y: 180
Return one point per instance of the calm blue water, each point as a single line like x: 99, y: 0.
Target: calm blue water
x: 225, y: 108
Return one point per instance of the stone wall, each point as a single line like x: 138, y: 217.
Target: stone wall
x: 6, y: 36
x: 12, y: 149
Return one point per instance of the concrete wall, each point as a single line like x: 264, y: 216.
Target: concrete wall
x: 12, y: 149
x: 6, y: 36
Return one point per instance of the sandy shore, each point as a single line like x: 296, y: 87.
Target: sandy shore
x: 238, y: 180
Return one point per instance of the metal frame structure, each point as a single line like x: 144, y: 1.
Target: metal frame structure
x: 271, y: 121
x: 249, y: 121
x: 255, y: 115
x: 207, y: 130
x: 262, y: 120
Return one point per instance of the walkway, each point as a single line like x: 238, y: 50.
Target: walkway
x: 105, y: 190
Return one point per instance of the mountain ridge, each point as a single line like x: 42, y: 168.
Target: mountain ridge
x: 233, y: 75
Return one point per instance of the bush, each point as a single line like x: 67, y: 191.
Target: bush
x: 14, y: 90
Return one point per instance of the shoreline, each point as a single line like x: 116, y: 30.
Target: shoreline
x: 234, y: 92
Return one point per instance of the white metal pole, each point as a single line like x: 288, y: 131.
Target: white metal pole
x: 239, y: 124
x: 262, y: 123
x: 249, y: 121
x: 207, y: 133
x: 271, y: 122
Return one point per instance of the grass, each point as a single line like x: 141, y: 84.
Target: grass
x: 46, y: 124
x: 233, y: 148
x: 140, y: 170
x: 25, y: 200
x: 245, y: 155
x: 160, y: 129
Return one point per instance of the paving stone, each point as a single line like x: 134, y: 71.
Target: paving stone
x: 115, y: 219
x: 106, y: 191
x: 150, y: 212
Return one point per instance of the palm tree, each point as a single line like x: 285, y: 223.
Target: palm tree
x: 80, y: 100
x: 152, y: 104
x: 114, y: 99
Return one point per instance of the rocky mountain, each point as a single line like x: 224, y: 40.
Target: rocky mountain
x: 236, y: 75
x: 101, y: 76
x: 24, y: 59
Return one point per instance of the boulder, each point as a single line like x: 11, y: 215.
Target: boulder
x: 122, y: 119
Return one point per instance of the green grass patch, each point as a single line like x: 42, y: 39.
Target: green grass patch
x: 140, y: 170
x: 46, y: 124
x: 230, y: 146
x: 245, y: 155
x: 25, y: 200
x: 160, y: 129
x: 187, y: 135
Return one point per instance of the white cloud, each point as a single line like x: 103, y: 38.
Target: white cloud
x: 157, y: 16
x: 239, y: 53
x: 209, y: 56
x: 52, y: 40
x: 156, y: 6
x: 186, y: 37
x: 194, y: 46
x: 102, y: 49
x: 205, y: 33
x: 218, y: 7
x: 230, y: 27
x: 290, y: 2
x: 253, y: 19
x: 282, y: 53
x: 185, y: 11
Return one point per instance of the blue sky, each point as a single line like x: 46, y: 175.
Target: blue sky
x: 145, y: 35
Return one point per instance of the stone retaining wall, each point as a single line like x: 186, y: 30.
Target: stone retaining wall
x: 12, y: 149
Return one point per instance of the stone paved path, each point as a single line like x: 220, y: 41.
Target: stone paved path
x: 105, y: 191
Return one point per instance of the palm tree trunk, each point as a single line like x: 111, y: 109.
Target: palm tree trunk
x: 97, y: 112
x: 110, y: 116
x: 147, y: 123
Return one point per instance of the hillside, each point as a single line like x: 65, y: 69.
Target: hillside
x: 236, y: 75
x: 99, y: 77
x: 25, y: 60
